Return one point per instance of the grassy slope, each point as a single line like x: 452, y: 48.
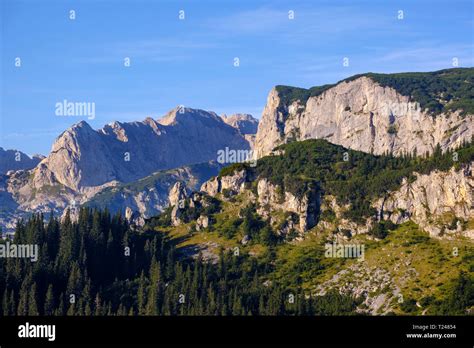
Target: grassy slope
x: 185, y: 235
x: 418, y: 265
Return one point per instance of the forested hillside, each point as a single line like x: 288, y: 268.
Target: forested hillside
x: 89, y: 261
x: 84, y: 268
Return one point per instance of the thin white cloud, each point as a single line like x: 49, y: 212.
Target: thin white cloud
x: 250, y: 21
x: 156, y: 50
x: 435, y: 51
x: 306, y: 24
x: 33, y: 133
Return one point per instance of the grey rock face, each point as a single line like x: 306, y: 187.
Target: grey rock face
x: 177, y: 194
x: 134, y: 218
x: 82, y: 157
x: 245, y: 123
x: 177, y: 197
x: 17, y: 160
x: 306, y: 207
x: 202, y: 222
x: 433, y: 201
x: 176, y: 214
x: 361, y: 115
x: 269, y: 197
x: 84, y: 162
x: 212, y: 186
x: 150, y: 195
x: 233, y: 184
x: 181, y: 200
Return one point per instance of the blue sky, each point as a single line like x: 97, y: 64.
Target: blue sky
x: 191, y: 61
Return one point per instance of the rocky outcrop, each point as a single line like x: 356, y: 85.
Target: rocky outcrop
x: 150, y: 195
x: 434, y: 201
x: 188, y: 207
x: 134, y: 218
x: 232, y: 184
x: 374, y: 285
x: 439, y: 202
x: 71, y: 213
x: 342, y: 226
x: 245, y: 123
x: 271, y: 199
x: 361, y: 115
x: 202, y: 222
x: 177, y: 197
x: 177, y: 194
x: 17, y: 160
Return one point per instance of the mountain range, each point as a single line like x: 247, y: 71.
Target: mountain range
x: 359, y: 200
x: 395, y: 114
x: 84, y: 161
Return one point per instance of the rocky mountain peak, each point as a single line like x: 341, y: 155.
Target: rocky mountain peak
x: 82, y: 157
x: 181, y: 114
x: 17, y: 160
x: 117, y: 129
x: 80, y: 126
x: 245, y: 123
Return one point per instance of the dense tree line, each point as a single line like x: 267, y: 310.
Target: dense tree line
x: 99, y: 266
x: 438, y: 91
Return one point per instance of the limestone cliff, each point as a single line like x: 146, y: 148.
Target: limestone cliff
x: 362, y: 115
x: 440, y: 202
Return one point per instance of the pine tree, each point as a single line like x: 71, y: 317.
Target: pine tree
x: 141, y: 296
x: 60, y: 309
x: 154, y: 290
x: 5, y: 303
x: 170, y: 264
x: 261, y: 306
x: 87, y: 309
x: 98, y: 305
x: 23, y: 304
x: 236, y: 304
x: 12, y: 304
x: 32, y: 304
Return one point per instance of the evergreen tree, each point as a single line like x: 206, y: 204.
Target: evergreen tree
x: 49, y: 301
